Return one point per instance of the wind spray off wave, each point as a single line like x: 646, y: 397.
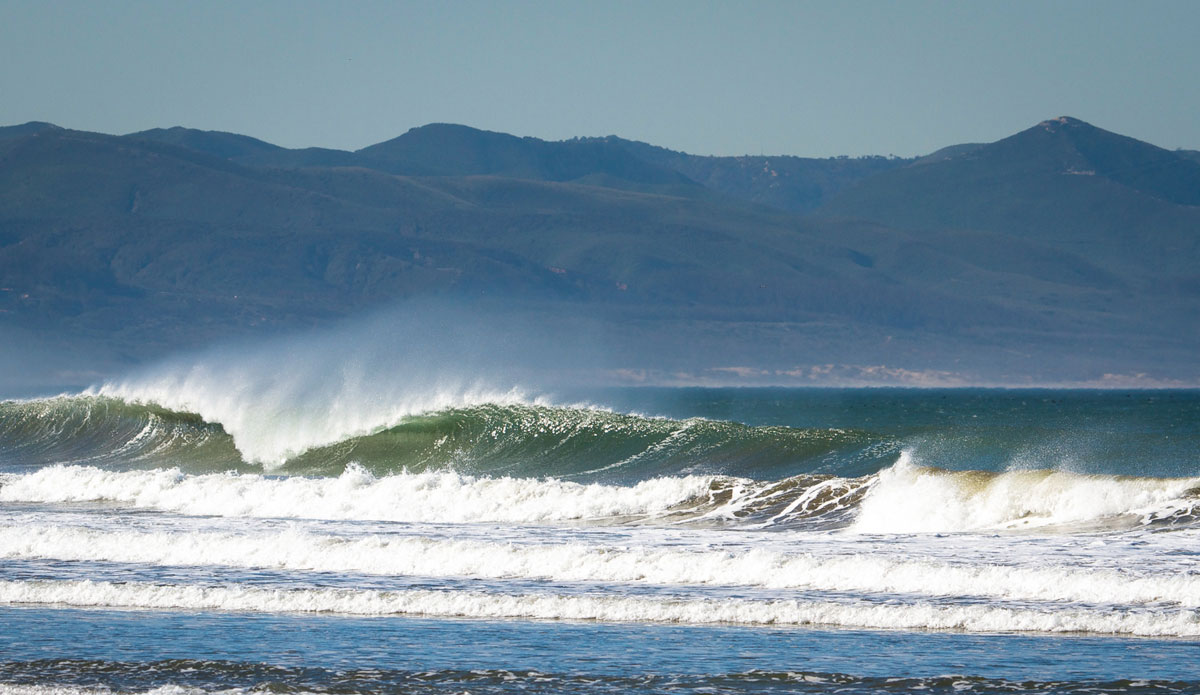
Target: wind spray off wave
x: 282, y: 397
x: 272, y: 419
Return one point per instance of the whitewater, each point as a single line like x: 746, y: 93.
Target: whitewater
x: 289, y: 535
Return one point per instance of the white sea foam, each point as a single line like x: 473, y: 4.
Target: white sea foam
x: 973, y: 618
x: 356, y: 494
x: 902, y: 499
x: 908, y: 498
x: 867, y: 572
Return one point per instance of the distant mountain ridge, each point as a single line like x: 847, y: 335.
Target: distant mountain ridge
x: 1063, y: 249
x: 795, y: 184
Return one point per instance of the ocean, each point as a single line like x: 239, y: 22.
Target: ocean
x: 182, y: 535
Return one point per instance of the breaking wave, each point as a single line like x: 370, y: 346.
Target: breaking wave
x: 909, y: 498
x: 904, y: 498
x: 518, y: 439
x: 535, y: 463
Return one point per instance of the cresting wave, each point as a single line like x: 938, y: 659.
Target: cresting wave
x: 528, y: 463
x: 611, y: 608
x: 108, y: 431
x: 498, y: 435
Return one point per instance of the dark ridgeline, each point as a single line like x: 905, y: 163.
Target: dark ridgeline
x: 1062, y: 252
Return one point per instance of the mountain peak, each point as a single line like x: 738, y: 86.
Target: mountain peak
x: 448, y: 149
x: 1026, y: 176
x: 30, y: 128
x: 214, y: 142
x: 1062, y: 122
x: 449, y: 129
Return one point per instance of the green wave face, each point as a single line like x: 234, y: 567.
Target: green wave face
x: 590, y: 444
x: 109, y: 432
x: 510, y: 440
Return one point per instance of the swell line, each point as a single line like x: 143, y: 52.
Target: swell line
x: 971, y: 618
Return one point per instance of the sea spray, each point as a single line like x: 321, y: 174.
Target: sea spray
x: 280, y: 397
x: 273, y: 418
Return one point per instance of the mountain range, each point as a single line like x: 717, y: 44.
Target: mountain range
x: 1063, y: 253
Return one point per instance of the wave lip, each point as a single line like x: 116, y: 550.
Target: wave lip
x: 271, y: 422
x: 419, y: 602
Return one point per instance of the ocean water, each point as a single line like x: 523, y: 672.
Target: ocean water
x: 181, y: 535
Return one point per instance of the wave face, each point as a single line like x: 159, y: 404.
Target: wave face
x: 490, y: 439
x: 109, y: 431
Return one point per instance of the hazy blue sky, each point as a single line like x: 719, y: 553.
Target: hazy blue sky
x: 807, y: 78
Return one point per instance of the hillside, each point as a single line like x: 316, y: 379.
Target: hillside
x: 128, y: 248
x: 794, y: 184
x: 1128, y: 206
x: 1193, y: 155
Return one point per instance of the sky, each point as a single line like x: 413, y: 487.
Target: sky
x: 726, y: 78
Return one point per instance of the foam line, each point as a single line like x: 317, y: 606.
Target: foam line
x: 869, y: 573
x: 433, y: 496
x: 971, y: 618
x: 902, y: 499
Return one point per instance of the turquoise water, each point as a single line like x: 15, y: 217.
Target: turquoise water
x: 633, y: 540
